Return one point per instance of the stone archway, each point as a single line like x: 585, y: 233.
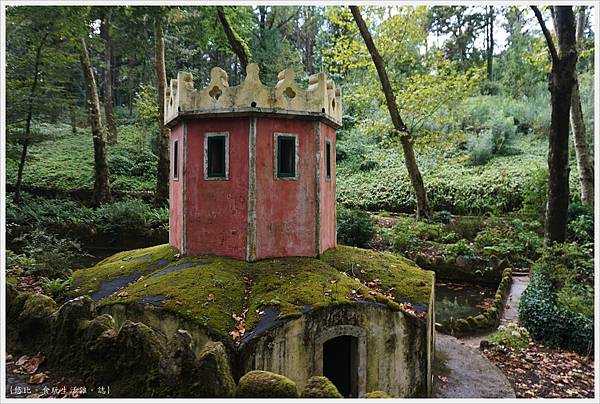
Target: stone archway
x: 341, y: 355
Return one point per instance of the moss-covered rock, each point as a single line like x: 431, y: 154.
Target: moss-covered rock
x: 263, y: 384
x: 377, y: 394
x: 213, y: 375
x: 37, y: 307
x: 320, y: 387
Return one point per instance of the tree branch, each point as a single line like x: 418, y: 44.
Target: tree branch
x: 383, y: 77
x: 234, y: 41
x: 547, y: 35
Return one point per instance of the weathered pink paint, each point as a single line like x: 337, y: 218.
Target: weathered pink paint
x: 327, y: 208
x: 176, y: 191
x: 285, y: 208
x: 216, y: 212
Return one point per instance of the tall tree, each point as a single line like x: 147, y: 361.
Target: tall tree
x: 490, y: 41
x: 101, y: 176
x: 105, y: 33
x: 162, y: 178
x: 238, y: 46
x: 423, y: 209
x: 30, y: 104
x: 562, y: 78
x: 585, y: 165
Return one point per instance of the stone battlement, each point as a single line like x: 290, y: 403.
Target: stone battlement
x: 321, y: 97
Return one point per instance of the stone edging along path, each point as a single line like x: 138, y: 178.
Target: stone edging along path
x: 460, y: 371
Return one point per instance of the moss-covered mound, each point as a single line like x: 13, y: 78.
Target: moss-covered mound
x: 377, y: 394
x: 219, y: 292
x: 320, y: 387
x: 263, y: 384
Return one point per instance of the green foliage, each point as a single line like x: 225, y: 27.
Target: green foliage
x: 535, y: 194
x: 517, y: 241
x: 129, y: 215
x: 354, y: 227
x: 408, y: 234
x: 510, y: 336
x: 459, y: 249
x: 557, y: 306
x: 48, y: 255
x: 56, y: 287
x: 580, y: 228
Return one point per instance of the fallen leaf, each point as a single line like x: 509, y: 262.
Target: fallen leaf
x: 32, y: 364
x: 123, y: 294
x: 38, y: 378
x: 211, y: 297
x: 21, y: 361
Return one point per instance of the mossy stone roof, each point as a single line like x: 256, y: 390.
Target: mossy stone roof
x: 211, y: 290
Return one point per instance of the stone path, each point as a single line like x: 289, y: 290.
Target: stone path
x: 460, y: 371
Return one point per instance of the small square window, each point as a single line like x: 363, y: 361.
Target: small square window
x: 176, y: 159
x: 216, y: 159
x: 286, y: 156
x: 328, y: 159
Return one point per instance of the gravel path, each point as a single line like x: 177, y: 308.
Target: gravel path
x: 460, y: 371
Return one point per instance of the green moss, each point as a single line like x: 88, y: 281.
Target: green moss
x: 208, y: 293
x: 89, y: 280
x: 263, y: 384
x: 377, y: 394
x: 212, y: 288
x: 407, y: 280
x: 38, y: 307
x: 291, y: 284
x: 320, y: 387
x: 11, y: 280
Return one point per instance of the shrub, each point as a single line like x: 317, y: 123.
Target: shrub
x: 510, y: 336
x: 49, y: 255
x: 55, y: 287
x: 550, y: 317
x: 459, y: 249
x: 580, y: 228
x: 408, y: 234
x: 130, y: 214
x: 517, y: 242
x: 535, y: 194
x: 354, y: 227
x: 481, y: 148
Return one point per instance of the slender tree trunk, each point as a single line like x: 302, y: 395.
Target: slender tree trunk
x: 490, y: 47
x: 561, y: 85
x: 585, y: 165
x: 111, y: 121
x: 234, y: 40
x: 101, y: 176
x: 27, y: 134
x: 416, y: 180
x: 162, y: 179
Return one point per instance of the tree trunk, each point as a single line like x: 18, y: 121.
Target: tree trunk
x: 111, y: 121
x: 416, y: 180
x: 585, y: 165
x: 234, y: 41
x: 490, y: 44
x: 162, y: 179
x: 36, y: 70
x: 101, y: 176
x: 561, y: 86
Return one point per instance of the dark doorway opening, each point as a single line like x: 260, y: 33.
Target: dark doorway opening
x: 340, y: 364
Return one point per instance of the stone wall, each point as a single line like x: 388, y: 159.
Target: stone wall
x: 394, y: 353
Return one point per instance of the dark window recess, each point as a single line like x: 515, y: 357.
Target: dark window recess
x: 328, y: 159
x: 286, y: 156
x: 216, y: 157
x: 175, y: 159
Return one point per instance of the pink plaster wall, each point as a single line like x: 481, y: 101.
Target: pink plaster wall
x: 327, y: 200
x: 217, y: 210
x: 176, y: 190
x: 285, y: 209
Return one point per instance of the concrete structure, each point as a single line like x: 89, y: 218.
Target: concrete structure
x: 252, y: 167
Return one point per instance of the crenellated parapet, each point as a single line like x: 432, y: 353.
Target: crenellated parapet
x: 322, y: 97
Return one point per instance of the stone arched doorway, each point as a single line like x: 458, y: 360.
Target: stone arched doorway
x: 341, y: 355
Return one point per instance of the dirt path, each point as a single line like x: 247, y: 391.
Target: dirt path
x: 460, y: 371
